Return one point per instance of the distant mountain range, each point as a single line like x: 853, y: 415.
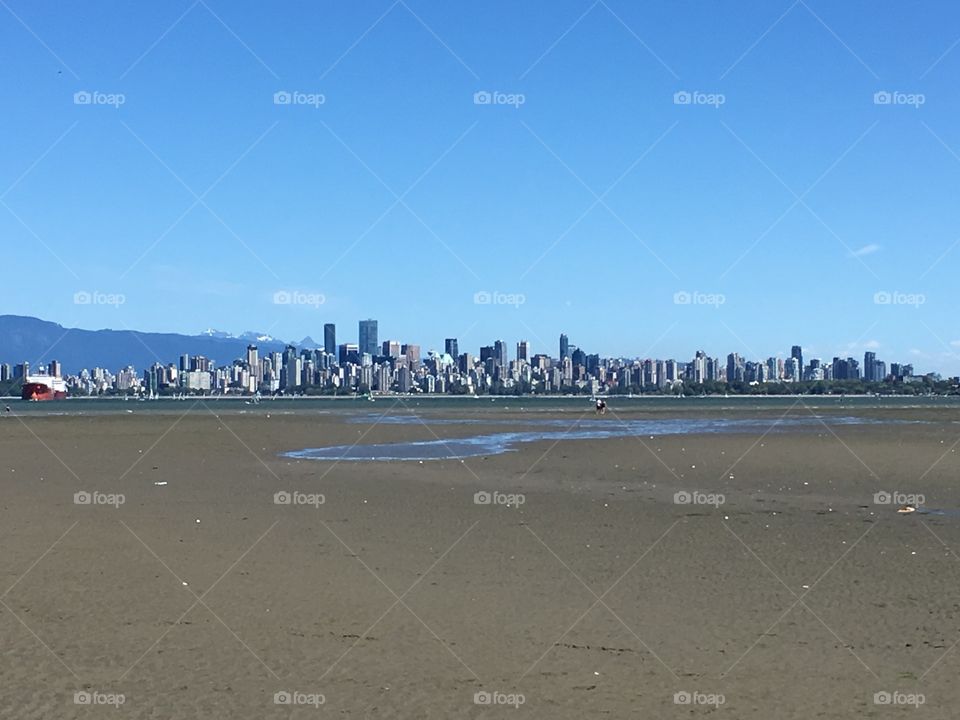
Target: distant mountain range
x: 29, y: 339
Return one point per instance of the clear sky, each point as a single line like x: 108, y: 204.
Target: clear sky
x: 588, y: 200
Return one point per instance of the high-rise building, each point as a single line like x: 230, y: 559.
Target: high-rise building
x: 792, y: 369
x: 869, y: 366
x: 564, y: 347
x: 391, y: 349
x: 500, y: 353
x: 411, y: 353
x: 735, y: 368
x: 55, y: 369
x: 368, y: 337
x: 451, y: 348
x: 348, y: 352
x: 523, y: 351
x: 772, y: 373
x: 330, y: 339
x: 797, y: 352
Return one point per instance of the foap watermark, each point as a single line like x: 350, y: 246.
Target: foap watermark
x: 296, y: 297
x: 295, y: 697
x: 95, y: 97
x: 92, y: 697
x: 683, y: 297
x: 896, y: 297
x: 899, y: 498
x: 84, y: 297
x: 96, y: 497
x: 495, y: 497
x: 298, y: 498
x: 495, y: 697
x: 486, y: 297
x: 695, y: 697
x: 695, y: 497
x: 897, y: 697
x: 686, y: 97
x: 896, y: 97
x: 485, y: 97
x: 296, y: 97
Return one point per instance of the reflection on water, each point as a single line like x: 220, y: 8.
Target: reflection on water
x: 588, y: 429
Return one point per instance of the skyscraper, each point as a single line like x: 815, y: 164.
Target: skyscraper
x: 523, y: 351
x: 797, y: 352
x: 391, y: 348
x: 869, y: 366
x: 564, y: 347
x: 330, y: 339
x: 500, y: 352
x: 451, y: 348
x: 368, y: 337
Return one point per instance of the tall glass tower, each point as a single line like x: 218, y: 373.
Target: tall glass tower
x: 330, y: 339
x: 368, y: 338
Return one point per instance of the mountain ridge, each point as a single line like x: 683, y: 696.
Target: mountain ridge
x: 29, y: 339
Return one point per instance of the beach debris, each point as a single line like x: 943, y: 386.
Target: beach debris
x: 904, y: 509
x: 198, y: 521
x: 160, y: 483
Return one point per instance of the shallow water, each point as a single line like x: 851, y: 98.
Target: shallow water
x: 587, y: 429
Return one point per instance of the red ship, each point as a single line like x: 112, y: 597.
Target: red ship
x: 43, y: 387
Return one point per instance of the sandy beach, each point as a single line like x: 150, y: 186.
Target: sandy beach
x: 782, y: 589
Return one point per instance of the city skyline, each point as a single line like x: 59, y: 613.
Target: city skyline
x: 397, y: 366
x: 445, y: 176
x: 368, y: 342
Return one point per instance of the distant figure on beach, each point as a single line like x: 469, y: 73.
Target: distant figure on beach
x: 601, y: 407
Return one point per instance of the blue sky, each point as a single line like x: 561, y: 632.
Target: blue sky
x: 816, y: 215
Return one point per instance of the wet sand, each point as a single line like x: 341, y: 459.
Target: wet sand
x: 399, y: 596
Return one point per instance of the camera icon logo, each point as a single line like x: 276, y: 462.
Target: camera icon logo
x: 282, y: 297
x: 82, y: 97
x: 282, y: 97
x: 482, y: 297
x: 482, y: 97
x: 882, y: 698
x: 82, y: 297
x: 82, y: 498
x: 682, y: 698
x: 882, y: 97
x: 882, y: 298
x: 282, y: 698
x: 282, y: 498
x: 681, y: 298
x: 482, y: 698
x: 882, y: 498
x: 682, y: 97
x: 82, y: 697
x: 482, y: 498
x: 682, y: 498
